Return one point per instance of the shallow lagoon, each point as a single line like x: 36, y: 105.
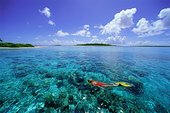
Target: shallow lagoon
x: 54, y: 79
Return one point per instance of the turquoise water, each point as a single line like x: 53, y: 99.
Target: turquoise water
x: 54, y: 80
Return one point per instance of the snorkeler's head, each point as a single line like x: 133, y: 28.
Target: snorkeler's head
x: 90, y: 81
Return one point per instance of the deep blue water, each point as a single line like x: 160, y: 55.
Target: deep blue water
x: 54, y: 79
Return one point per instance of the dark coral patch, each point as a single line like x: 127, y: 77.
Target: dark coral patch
x: 1, y: 103
x: 140, y: 73
x: 160, y: 109
x: 137, y: 88
x: 48, y: 75
x: 59, y: 84
x: 103, y: 103
x: 20, y: 74
x: 52, y: 104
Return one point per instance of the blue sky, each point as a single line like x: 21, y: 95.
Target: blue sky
x: 50, y: 22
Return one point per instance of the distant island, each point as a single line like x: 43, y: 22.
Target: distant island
x: 14, y: 45
x: 94, y: 44
x: 148, y: 46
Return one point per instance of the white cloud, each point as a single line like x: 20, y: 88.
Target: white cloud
x: 95, y: 39
x: 165, y: 16
x: 109, y: 40
x: 75, y: 42
x: 46, y: 12
x: 51, y: 22
x: 86, y: 27
x: 98, y: 26
x: 84, y: 32
x: 121, y: 20
x: 36, y: 38
x: 94, y: 36
x: 60, y: 33
x: 144, y: 28
x: 42, y: 42
x: 115, y: 39
x: 141, y: 43
x: 55, y: 41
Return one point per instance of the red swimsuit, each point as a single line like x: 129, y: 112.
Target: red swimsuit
x: 99, y: 84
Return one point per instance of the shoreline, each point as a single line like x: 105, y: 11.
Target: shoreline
x: 22, y: 47
x: 12, y: 48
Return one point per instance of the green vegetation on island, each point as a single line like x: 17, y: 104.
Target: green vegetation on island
x: 94, y: 44
x: 14, y: 45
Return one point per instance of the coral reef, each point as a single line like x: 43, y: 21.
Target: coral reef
x: 33, y: 81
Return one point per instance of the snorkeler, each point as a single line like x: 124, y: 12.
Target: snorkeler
x: 101, y: 84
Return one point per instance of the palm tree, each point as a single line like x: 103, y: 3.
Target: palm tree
x: 1, y: 40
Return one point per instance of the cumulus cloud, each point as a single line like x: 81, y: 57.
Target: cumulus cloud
x: 51, y: 22
x: 60, y: 33
x: 165, y: 16
x: 115, y: 39
x: 122, y: 20
x: 145, y: 28
x: 84, y: 32
x: 46, y: 12
x: 86, y: 27
x: 109, y: 40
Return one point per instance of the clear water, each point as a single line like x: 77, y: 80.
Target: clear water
x: 54, y: 79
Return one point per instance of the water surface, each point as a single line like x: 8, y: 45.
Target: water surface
x: 54, y: 79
